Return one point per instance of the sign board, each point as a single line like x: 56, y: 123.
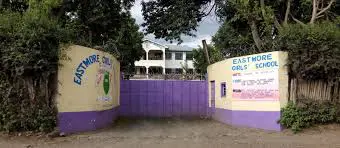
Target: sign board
x: 89, y: 81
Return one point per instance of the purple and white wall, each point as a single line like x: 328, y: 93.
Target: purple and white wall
x: 245, y: 91
x: 249, y: 91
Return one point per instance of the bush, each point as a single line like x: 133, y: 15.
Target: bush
x: 307, y: 113
x: 314, y: 50
x: 29, y: 53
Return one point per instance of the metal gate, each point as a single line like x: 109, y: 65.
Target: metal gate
x: 163, y: 98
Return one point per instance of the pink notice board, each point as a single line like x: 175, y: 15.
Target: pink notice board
x: 256, y: 85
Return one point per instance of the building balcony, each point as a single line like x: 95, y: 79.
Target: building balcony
x: 155, y: 57
x: 148, y: 63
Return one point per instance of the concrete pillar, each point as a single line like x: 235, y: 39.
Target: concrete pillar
x: 163, y: 56
x: 147, y: 72
x: 147, y: 55
x: 184, y: 56
x: 163, y: 70
x: 138, y: 70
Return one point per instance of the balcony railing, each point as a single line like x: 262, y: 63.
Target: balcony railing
x: 155, y: 58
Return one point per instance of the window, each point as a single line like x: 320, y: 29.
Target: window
x: 223, y: 89
x: 142, y: 70
x: 168, y: 55
x: 179, y: 56
x: 168, y: 70
x: 191, y: 71
x: 179, y: 71
x: 155, y: 55
x: 189, y: 56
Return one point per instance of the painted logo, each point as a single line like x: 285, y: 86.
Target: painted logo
x: 106, y: 82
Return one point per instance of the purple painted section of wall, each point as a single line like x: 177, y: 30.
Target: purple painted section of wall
x: 257, y: 119
x: 163, y: 98
x: 223, y: 115
x: 71, y: 122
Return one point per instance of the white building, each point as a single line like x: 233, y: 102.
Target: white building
x: 164, y: 59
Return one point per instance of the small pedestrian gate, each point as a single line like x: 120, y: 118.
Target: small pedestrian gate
x: 212, y: 94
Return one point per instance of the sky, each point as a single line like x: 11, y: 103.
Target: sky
x: 207, y: 28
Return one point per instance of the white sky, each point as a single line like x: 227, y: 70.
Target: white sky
x: 206, y: 30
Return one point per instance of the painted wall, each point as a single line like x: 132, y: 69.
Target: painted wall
x: 163, y: 98
x: 173, y: 63
x: 89, y: 84
x: 256, y: 89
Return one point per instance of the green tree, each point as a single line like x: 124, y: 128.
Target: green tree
x: 314, y: 50
x: 32, y: 37
x: 105, y: 23
x: 200, y: 61
x: 234, y: 41
x: 271, y: 16
x: 255, y: 26
x: 170, y: 20
x: 129, y: 44
x: 30, y: 47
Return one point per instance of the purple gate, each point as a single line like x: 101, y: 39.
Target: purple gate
x: 163, y: 98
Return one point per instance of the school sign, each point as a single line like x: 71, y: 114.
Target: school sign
x: 89, y: 84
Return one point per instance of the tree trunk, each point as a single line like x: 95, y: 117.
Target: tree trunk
x: 276, y: 23
x: 30, y: 88
x: 263, y: 9
x: 285, y: 22
x: 256, y: 36
x: 297, y: 21
x: 314, y: 12
x: 206, y: 52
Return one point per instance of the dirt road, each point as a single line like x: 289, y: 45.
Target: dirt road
x: 182, y: 134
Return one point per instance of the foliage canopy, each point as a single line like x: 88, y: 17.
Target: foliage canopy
x: 29, y: 49
x: 314, y: 50
x: 33, y: 35
x: 307, y: 29
x: 200, y: 61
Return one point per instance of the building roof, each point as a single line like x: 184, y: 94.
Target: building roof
x: 179, y: 48
x: 170, y: 47
x: 154, y: 43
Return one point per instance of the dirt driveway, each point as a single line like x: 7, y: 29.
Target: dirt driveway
x: 181, y: 134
